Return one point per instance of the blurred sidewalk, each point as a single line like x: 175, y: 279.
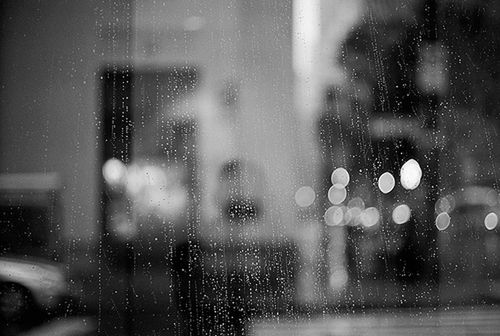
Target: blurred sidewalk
x: 428, y: 322
x: 74, y: 326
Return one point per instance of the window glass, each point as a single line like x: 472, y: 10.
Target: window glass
x: 249, y: 167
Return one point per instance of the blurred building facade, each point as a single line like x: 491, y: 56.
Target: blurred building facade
x: 54, y: 61
x: 404, y: 96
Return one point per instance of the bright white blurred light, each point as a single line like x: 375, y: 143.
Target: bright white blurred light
x: 337, y: 194
x: 443, y: 221
x: 340, y: 176
x: 369, y: 217
x: 334, y: 216
x: 134, y: 179
x: 305, y: 196
x: 401, y: 214
x: 114, y: 171
x: 491, y: 221
x: 352, y: 216
x: 411, y: 173
x: 386, y: 182
x: 306, y: 34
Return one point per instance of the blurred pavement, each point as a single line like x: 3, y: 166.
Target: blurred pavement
x: 456, y: 322
x: 75, y: 326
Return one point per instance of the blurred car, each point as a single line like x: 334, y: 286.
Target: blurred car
x: 32, y: 291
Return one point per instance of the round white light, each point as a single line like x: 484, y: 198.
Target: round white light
x: 334, y: 216
x: 443, y: 221
x: 411, y: 173
x: 352, y: 216
x: 114, y: 171
x: 337, y: 194
x: 305, y: 196
x: 386, y: 182
x: 491, y: 221
x: 401, y: 214
x: 340, y: 176
x: 369, y: 217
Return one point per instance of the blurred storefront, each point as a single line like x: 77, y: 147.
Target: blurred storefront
x: 123, y: 98
x: 406, y: 104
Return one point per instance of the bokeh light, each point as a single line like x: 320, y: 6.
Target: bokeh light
x: 445, y: 204
x: 352, y: 216
x: 340, y: 176
x: 334, y: 216
x: 443, y: 221
x: 305, y: 196
x: 491, y: 221
x: 369, y: 217
x: 411, y: 174
x: 401, y: 214
x: 114, y: 172
x: 386, y: 182
x: 337, y: 194
x: 492, y: 198
x: 356, y: 202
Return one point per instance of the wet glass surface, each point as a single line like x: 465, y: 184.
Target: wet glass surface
x: 303, y: 167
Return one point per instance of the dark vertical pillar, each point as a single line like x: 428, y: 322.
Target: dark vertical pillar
x: 117, y: 132
x: 430, y: 102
